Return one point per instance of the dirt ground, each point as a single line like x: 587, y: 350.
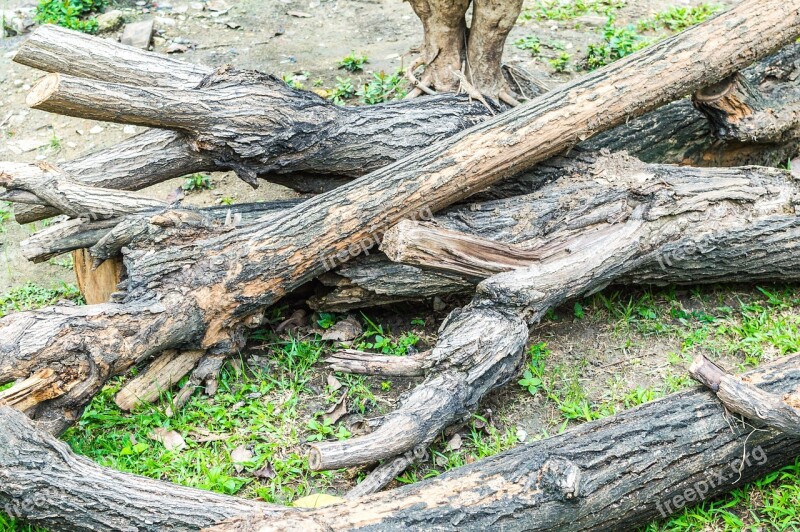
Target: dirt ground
x: 611, y: 347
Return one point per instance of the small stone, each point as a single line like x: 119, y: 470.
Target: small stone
x: 438, y: 304
x: 176, y: 48
x: 129, y: 129
x: 18, y: 82
x: 593, y: 21
x: 138, y: 34
x: 178, y: 10
x: 165, y: 21
x: 96, y: 130
x: 110, y: 21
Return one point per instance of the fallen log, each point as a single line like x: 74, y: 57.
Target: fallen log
x: 674, y: 225
x: 676, y: 133
x: 606, y: 474
x: 204, y: 293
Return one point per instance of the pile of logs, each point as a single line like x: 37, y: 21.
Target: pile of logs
x: 524, y: 208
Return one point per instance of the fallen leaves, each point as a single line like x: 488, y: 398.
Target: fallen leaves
x: 171, y: 440
x: 344, y: 331
x: 337, y: 411
x: 240, y: 457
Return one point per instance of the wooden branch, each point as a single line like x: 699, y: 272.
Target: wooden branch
x: 363, y: 363
x: 424, y: 244
x: 115, y: 102
x: 56, y: 189
x: 386, y: 472
x: 55, y: 49
x: 738, y: 111
x: 562, y: 482
x: 209, y: 291
x: 618, y: 473
x: 164, y: 372
x: 44, y: 482
x: 781, y: 412
x: 638, y: 222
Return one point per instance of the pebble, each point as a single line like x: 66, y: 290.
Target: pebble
x: 96, y: 130
x: 129, y: 129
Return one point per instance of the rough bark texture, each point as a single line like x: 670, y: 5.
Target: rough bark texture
x: 675, y: 133
x: 204, y: 294
x: 492, y: 20
x: 603, y: 475
x: 444, y: 49
x: 628, y: 222
x: 42, y: 481
x: 778, y: 411
x: 614, y: 474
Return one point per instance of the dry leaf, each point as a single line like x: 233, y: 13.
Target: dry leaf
x: 266, y: 472
x: 176, y: 48
x: 171, y: 440
x: 344, y: 331
x: 335, y: 413
x: 239, y: 456
x: 298, y: 14
x: 295, y: 321
x: 333, y: 383
x: 316, y: 500
x: 204, y: 436
x: 455, y: 443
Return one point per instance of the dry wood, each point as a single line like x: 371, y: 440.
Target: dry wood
x: 675, y: 133
x: 205, y: 293
x: 621, y: 221
x: 96, y: 284
x: 781, y: 412
x: 618, y: 473
x: 606, y: 474
x: 165, y: 371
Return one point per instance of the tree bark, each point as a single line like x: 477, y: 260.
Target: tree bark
x: 602, y: 475
x: 671, y: 225
x: 204, y: 294
x: 618, y: 473
x: 674, y: 134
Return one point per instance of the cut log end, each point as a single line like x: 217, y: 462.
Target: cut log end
x: 43, y: 90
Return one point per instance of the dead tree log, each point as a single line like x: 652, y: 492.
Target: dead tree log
x: 203, y: 295
x: 602, y: 475
x: 674, y: 225
x: 674, y: 134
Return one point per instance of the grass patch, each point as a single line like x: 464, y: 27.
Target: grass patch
x: 72, y: 14
x: 620, y: 41
x: 569, y: 9
x: 32, y: 296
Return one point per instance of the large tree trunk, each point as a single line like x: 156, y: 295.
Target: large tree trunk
x: 612, y: 474
x: 627, y: 222
x: 223, y: 282
x: 675, y: 133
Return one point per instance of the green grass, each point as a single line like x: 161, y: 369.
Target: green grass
x: 620, y: 41
x: 382, y: 87
x: 32, y: 296
x: 353, y: 62
x: 72, y: 14
x: 274, y: 405
x: 569, y: 9
x: 6, y: 214
x: 197, y: 182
